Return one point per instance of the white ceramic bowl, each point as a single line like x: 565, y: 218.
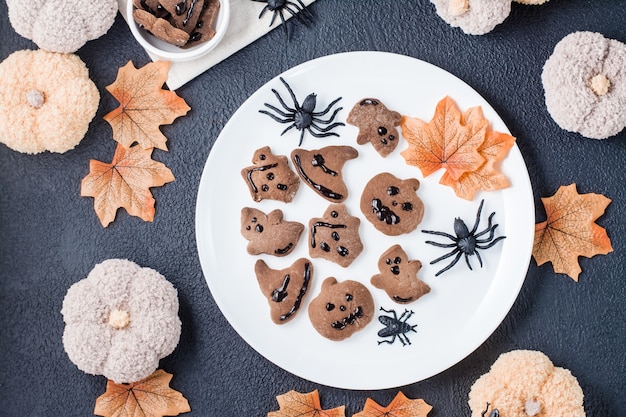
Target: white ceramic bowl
x: 171, y: 52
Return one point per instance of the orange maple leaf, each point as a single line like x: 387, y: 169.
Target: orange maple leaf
x: 144, y: 105
x: 125, y: 182
x: 400, y: 406
x: 295, y: 404
x: 150, y: 397
x: 570, y: 231
x: 444, y: 141
x: 487, y: 177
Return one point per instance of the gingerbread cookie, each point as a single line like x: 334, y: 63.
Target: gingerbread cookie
x: 335, y: 237
x: 270, y: 177
x: 269, y: 234
x: 320, y: 169
x: 391, y: 204
x: 341, y: 309
x: 377, y: 125
x: 284, y: 289
x: 398, y: 276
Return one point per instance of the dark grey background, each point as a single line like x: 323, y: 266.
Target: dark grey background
x: 50, y: 236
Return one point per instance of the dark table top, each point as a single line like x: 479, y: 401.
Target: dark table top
x: 51, y: 238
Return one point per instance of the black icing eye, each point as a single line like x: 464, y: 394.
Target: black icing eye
x: 330, y: 307
x: 397, y: 260
x: 248, y: 227
x: 335, y: 236
x: 388, y: 261
x: 382, y: 130
x: 324, y: 246
x: 265, y: 187
x: 391, y: 190
x: 262, y: 157
x: 334, y: 214
x: 342, y: 308
x: 349, y: 297
x: 407, y: 206
x: 270, y: 176
x: 259, y: 228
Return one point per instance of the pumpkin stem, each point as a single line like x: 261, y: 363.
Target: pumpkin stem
x: 458, y: 7
x: 600, y: 84
x: 532, y: 407
x: 35, y: 98
x: 119, y: 319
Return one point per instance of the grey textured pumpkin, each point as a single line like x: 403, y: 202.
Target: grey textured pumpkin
x: 61, y: 25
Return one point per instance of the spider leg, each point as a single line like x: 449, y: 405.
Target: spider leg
x: 290, y: 127
x: 468, y: 262
x: 447, y: 255
x: 488, y: 226
x: 301, y: 137
x: 305, y: 12
x: 293, y: 96
x: 456, y: 259
x: 327, y: 128
x: 280, y: 112
x: 487, y: 239
x: 273, y: 116
x: 480, y: 260
x: 329, y: 120
x: 266, y: 8
x: 441, y: 245
x: 493, y: 242
x: 321, y: 135
x: 432, y: 232
x: 282, y: 102
x: 480, y: 208
x: 327, y: 109
x: 295, y: 13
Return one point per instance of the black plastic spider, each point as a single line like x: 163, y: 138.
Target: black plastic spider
x: 304, y: 118
x: 465, y: 242
x: 278, y: 7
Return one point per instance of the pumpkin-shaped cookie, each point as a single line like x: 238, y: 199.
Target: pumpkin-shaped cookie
x: 61, y: 25
x: 525, y: 383
x: 120, y: 320
x: 46, y: 101
x: 585, y: 85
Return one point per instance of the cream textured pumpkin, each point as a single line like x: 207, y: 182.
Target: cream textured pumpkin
x: 120, y: 321
x: 47, y: 101
x: 525, y: 383
x: 61, y: 25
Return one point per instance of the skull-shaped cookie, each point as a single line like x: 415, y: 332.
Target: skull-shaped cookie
x: 341, y: 309
x: 285, y: 288
x: 377, y: 125
x: 335, y: 236
x: 270, y: 177
x: 398, y: 276
x: 321, y: 169
x: 269, y: 233
x: 391, y: 204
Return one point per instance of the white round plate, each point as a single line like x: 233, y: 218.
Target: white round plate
x: 463, y: 308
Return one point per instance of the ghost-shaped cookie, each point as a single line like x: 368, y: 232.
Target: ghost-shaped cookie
x: 335, y: 236
x: 270, y: 177
x: 341, y: 308
x: 284, y: 289
x: 269, y: 234
x: 398, y: 276
x: 377, y: 125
